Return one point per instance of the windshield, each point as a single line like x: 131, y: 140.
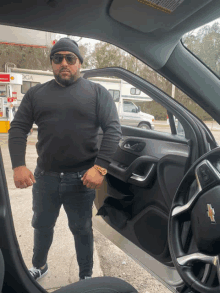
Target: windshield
x: 26, y: 64
x: 129, y: 107
x: 204, y: 42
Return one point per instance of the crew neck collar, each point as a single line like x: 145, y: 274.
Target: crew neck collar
x: 63, y: 86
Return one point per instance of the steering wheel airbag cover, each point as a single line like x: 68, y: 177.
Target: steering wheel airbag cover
x: 205, y: 219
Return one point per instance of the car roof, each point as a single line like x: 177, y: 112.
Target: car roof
x: 139, y: 27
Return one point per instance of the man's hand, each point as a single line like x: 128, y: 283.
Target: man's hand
x: 23, y: 177
x: 92, y: 179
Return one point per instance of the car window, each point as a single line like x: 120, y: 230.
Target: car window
x: 135, y: 91
x: 134, y: 110
x: 129, y: 107
x: 134, y: 65
x: 159, y: 115
x: 204, y: 43
x: 189, y: 104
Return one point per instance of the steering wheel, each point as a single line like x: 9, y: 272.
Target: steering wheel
x: 202, y: 211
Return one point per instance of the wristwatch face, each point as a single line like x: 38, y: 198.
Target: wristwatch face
x: 103, y: 171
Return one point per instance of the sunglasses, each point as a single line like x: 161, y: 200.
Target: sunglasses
x: 70, y: 59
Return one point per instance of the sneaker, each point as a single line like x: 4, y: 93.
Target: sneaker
x: 38, y: 273
x: 86, y: 277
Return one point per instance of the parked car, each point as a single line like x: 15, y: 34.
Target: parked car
x: 131, y: 115
x: 162, y: 188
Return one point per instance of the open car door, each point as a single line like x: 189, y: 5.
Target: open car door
x: 134, y: 202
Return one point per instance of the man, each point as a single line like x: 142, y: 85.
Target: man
x: 69, y: 111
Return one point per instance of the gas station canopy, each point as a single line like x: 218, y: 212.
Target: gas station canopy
x: 26, y: 37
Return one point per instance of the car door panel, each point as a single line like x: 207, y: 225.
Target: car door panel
x: 134, y: 214
x: 170, y: 170
x: 126, y: 202
x: 192, y: 126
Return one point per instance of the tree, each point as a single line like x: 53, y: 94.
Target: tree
x: 32, y: 58
x: 105, y: 55
x: 84, y: 51
x: 205, y: 44
x: 25, y: 57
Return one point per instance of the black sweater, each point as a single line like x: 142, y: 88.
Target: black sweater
x: 68, y: 120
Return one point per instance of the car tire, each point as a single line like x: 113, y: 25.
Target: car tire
x: 144, y: 126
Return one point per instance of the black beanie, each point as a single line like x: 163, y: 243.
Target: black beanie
x: 66, y: 44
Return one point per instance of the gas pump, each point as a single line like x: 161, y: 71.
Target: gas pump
x: 8, y: 98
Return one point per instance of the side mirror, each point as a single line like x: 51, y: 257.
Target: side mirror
x: 138, y: 109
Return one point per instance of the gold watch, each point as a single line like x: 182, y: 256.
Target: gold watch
x: 101, y: 170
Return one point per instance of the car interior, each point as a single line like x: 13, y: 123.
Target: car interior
x: 160, y: 187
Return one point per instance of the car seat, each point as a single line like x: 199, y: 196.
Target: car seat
x: 93, y: 285
x: 99, y: 285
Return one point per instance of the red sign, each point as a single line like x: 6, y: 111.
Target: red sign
x: 1, y: 114
x: 14, y: 95
x: 4, y: 77
x: 10, y: 100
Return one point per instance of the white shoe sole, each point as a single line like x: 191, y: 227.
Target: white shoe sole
x: 44, y: 274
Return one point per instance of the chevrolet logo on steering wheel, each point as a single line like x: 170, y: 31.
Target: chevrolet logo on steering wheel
x: 211, y: 213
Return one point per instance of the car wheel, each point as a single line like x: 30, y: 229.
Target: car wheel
x: 144, y: 126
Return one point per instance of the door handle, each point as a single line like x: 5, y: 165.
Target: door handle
x: 127, y: 146
x: 137, y: 147
x: 131, y: 147
x: 128, y: 174
x: 145, y: 177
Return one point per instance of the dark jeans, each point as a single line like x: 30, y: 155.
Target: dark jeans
x: 50, y: 191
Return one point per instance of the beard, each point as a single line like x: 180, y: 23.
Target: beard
x: 64, y: 81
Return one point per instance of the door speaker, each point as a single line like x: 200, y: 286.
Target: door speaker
x: 151, y: 231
